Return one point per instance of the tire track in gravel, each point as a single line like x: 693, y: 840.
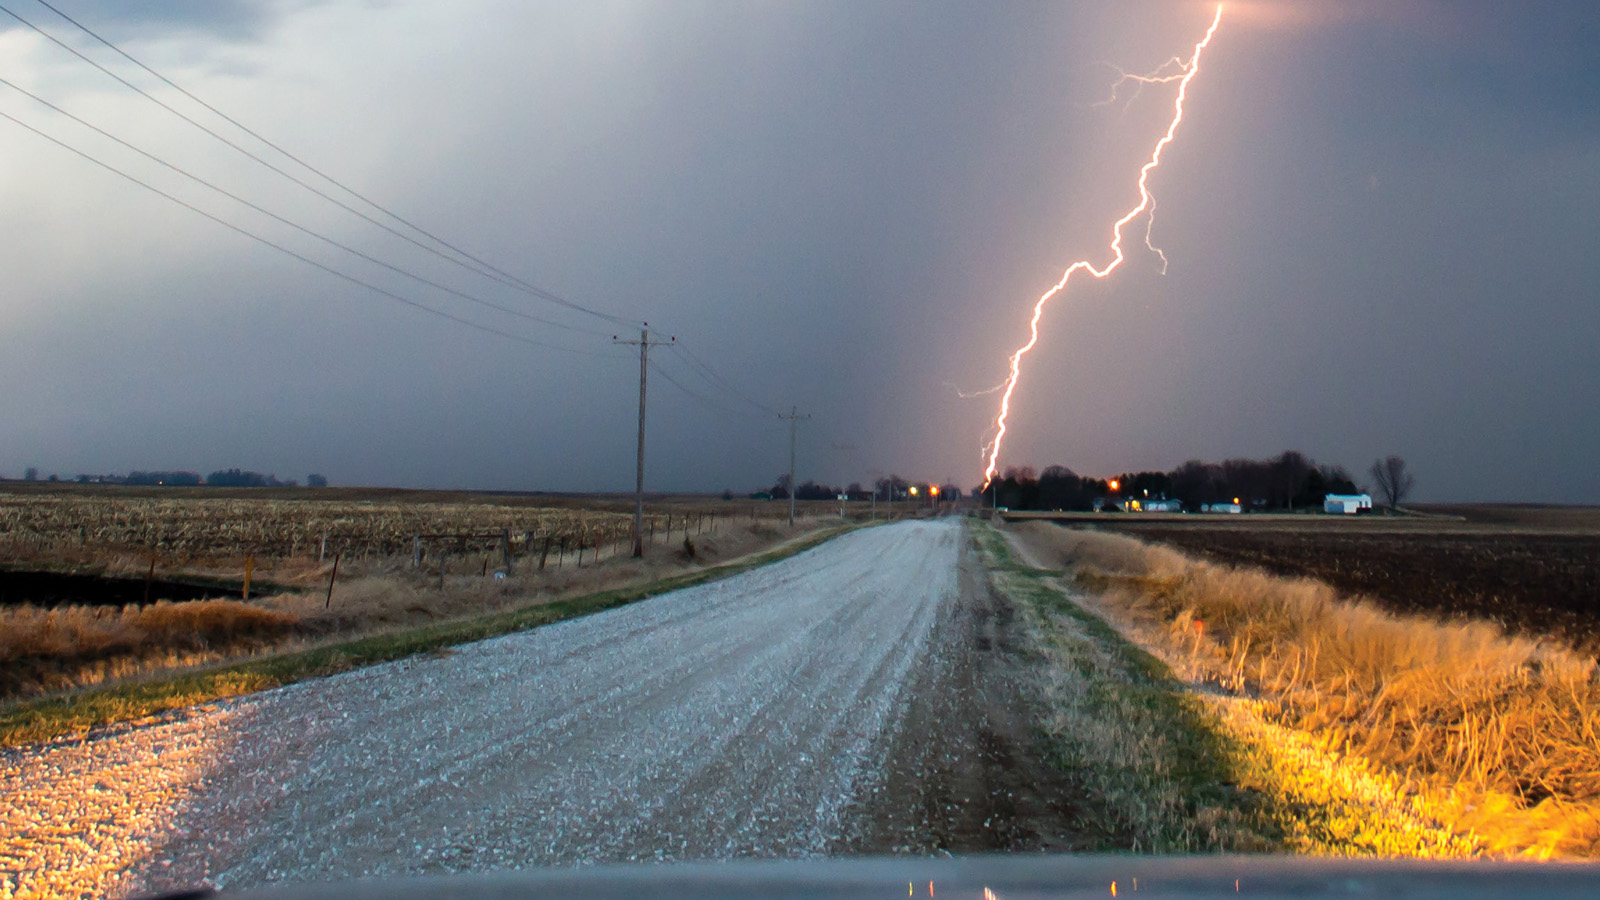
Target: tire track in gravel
x: 742, y: 718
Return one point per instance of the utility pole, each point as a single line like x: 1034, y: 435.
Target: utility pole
x: 643, y: 343
x: 794, y: 418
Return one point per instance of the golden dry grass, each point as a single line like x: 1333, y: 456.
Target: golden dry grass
x: 1502, y: 733
x: 91, y: 631
x: 183, y: 682
x: 51, y: 649
x: 44, y: 651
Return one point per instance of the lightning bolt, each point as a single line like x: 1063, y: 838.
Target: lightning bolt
x: 968, y: 395
x: 1159, y: 76
x: 1185, y: 74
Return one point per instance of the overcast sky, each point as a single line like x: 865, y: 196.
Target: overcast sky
x: 1381, y: 221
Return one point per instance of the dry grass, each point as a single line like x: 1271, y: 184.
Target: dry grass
x: 289, y: 531
x: 50, y: 649
x: 1164, y: 768
x: 185, y: 682
x: 47, y: 651
x: 1501, y: 733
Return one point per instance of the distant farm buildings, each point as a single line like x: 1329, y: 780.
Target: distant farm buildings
x: 1148, y: 505
x: 1347, y: 504
x: 1232, y: 508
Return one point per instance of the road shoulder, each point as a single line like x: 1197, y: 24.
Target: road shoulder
x: 967, y: 768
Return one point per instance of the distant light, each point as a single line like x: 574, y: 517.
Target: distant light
x: 934, y: 490
x: 1115, y: 484
x: 913, y: 490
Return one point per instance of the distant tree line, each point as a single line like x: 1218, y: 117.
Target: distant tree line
x: 163, y: 478
x: 1289, y: 480
x: 892, y: 487
x: 219, y: 478
x: 807, y: 490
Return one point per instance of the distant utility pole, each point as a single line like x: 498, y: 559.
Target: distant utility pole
x: 794, y: 418
x: 643, y: 343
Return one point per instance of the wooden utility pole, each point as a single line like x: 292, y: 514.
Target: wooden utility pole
x: 643, y: 344
x: 794, y: 418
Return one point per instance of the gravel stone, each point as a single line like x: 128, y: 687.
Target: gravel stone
x: 741, y: 718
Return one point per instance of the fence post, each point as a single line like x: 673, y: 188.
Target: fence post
x: 249, y: 569
x: 545, y: 553
x: 322, y: 554
x: 561, y: 552
x: 416, y: 550
x: 505, y: 550
x: 331, y: 579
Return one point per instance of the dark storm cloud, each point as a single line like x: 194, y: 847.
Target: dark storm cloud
x: 115, y: 20
x: 1380, y: 227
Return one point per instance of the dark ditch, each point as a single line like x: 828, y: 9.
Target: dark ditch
x: 50, y: 589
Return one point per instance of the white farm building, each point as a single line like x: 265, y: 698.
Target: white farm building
x: 1346, y: 504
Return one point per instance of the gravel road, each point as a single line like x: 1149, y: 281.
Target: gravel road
x: 743, y: 718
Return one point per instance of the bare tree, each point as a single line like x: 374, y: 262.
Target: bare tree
x: 1394, y: 482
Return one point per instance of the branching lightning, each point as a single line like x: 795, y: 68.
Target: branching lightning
x: 1185, y: 73
x: 968, y: 395
x: 1161, y: 75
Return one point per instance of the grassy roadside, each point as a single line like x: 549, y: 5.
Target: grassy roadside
x: 1490, y: 740
x: 76, y: 714
x: 1174, y: 770
x: 1163, y: 778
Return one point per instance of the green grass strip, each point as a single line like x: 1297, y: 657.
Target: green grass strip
x: 75, y: 714
x: 1170, y: 770
x: 1158, y: 772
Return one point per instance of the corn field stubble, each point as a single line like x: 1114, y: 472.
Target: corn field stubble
x: 373, y: 619
x: 401, y: 561
x: 1496, y: 737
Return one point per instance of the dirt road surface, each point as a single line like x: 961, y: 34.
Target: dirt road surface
x: 858, y: 697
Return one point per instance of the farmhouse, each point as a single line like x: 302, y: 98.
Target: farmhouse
x: 1232, y: 508
x: 1148, y: 505
x: 1346, y: 504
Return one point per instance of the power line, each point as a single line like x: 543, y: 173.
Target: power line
x: 288, y: 252
x: 481, y: 268
x: 697, y: 396
x: 715, y: 379
x: 298, y: 227
x: 478, y: 266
